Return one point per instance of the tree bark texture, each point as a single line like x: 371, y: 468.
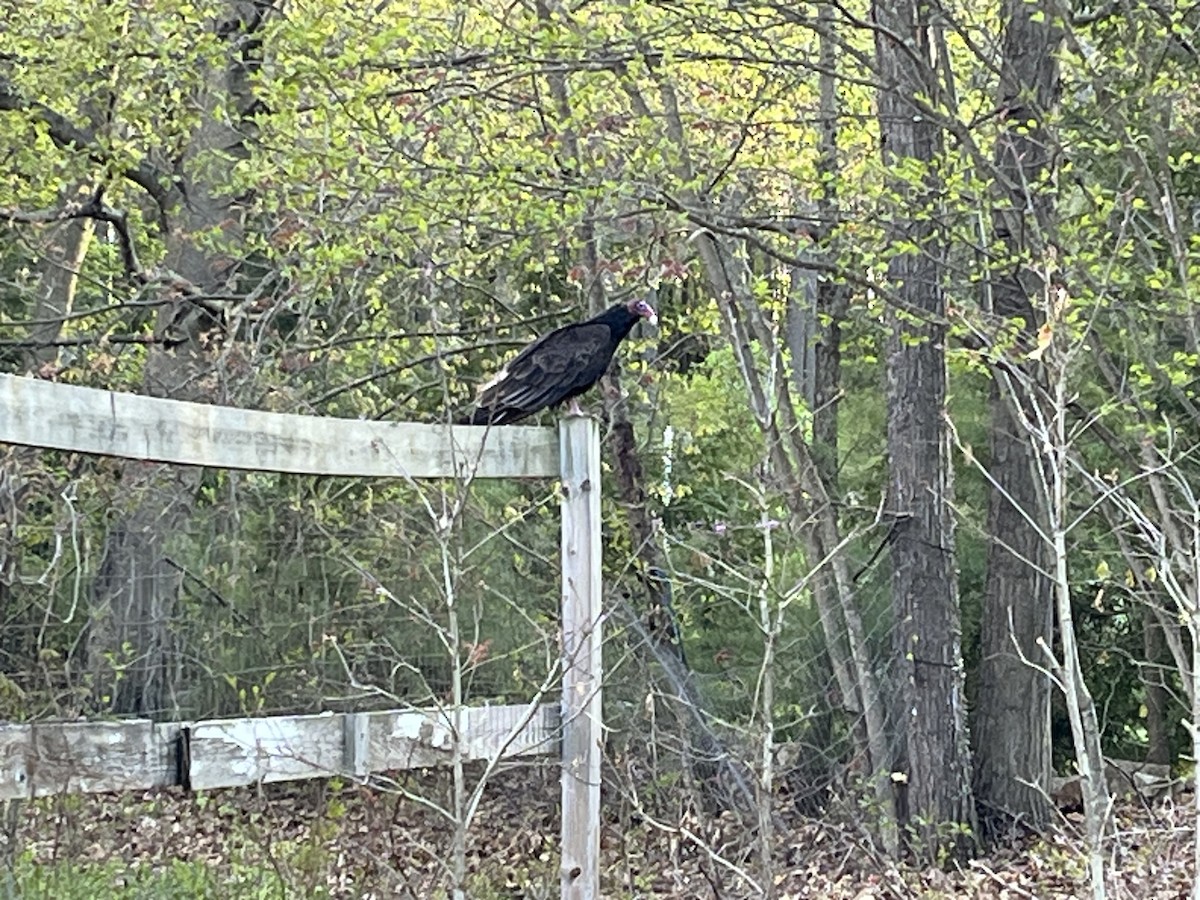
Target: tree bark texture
x: 1012, y: 761
x: 1158, y: 699
x: 1012, y: 721
x: 832, y: 298
x: 931, y: 720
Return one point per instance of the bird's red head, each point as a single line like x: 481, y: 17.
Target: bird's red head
x: 643, y: 309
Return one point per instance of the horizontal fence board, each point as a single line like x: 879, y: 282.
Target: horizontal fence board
x: 86, y: 757
x: 409, y: 740
x: 90, y: 757
x: 108, y: 423
x: 246, y: 751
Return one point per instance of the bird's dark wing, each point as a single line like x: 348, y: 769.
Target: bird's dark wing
x: 553, y: 368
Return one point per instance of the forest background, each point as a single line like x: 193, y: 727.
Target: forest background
x: 902, y: 483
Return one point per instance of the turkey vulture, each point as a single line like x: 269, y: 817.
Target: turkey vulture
x: 557, y: 366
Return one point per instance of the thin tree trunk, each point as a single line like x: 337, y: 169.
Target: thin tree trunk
x: 63, y: 248
x: 789, y: 455
x: 1081, y: 709
x: 1158, y: 744
x: 832, y: 298
x: 809, y: 503
x: 725, y: 779
x: 823, y: 397
x: 770, y: 623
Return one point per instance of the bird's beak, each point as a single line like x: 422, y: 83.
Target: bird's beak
x: 653, y: 318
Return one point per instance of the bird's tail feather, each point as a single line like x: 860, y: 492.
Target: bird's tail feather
x: 478, y: 417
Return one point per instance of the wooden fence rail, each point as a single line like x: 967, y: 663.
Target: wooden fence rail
x: 108, y: 423
x: 44, y: 759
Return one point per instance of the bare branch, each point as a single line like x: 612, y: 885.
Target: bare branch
x: 95, y: 208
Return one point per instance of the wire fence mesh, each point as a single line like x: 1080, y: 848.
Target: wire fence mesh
x: 132, y: 589
x: 171, y: 593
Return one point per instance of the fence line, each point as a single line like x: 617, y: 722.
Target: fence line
x: 44, y: 759
x: 40, y: 759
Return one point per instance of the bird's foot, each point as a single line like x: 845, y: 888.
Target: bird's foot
x: 574, y: 409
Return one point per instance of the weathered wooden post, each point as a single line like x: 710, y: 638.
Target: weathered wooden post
x: 582, y: 740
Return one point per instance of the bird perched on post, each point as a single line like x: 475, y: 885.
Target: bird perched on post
x: 558, y: 366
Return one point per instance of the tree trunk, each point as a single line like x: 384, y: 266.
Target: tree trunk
x: 811, y: 507
x: 934, y: 752
x: 1081, y: 707
x: 832, y: 298
x: 790, y: 457
x: 818, y: 383
x: 1158, y: 732
x: 134, y: 595
x: 1012, y: 723
x: 1012, y: 763
x: 725, y: 781
x: 62, y: 249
